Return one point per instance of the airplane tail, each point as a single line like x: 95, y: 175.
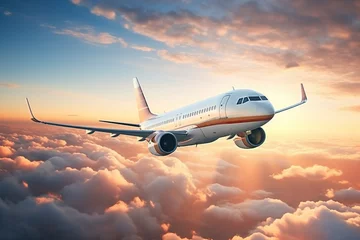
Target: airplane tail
x: 143, y: 108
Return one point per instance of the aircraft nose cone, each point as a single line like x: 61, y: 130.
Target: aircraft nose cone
x: 265, y: 108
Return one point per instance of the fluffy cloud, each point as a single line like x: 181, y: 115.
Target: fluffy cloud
x: 349, y: 195
x: 254, y: 236
x: 315, y: 172
x: 261, y: 194
x: 86, y: 182
x: 313, y: 220
x: 19, y: 163
x: 110, y: 185
x: 253, y: 209
x: 5, y: 151
x: 84, y: 185
x: 173, y: 236
x: 219, y: 191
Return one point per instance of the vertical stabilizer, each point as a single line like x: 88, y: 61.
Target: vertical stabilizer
x: 143, y: 108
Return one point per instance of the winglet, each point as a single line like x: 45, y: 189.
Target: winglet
x: 32, y: 115
x: 303, y: 94
x: 303, y: 100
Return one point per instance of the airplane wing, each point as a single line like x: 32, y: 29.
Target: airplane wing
x: 303, y: 100
x: 120, y: 123
x: 113, y: 132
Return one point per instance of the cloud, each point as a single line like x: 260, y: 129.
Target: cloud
x: 19, y: 163
x: 76, y: 2
x: 292, y: 65
x: 313, y: 220
x: 5, y: 151
x: 219, y: 191
x: 110, y: 185
x: 253, y: 209
x: 346, y: 87
x: 36, y: 214
x: 355, y: 108
x: 173, y: 236
x: 8, y: 85
x: 254, y: 236
x: 281, y: 33
x: 7, y: 13
x: 142, y: 48
x: 114, y: 188
x: 172, y: 28
x: 315, y: 172
x: 90, y: 36
x: 109, y: 14
x: 349, y: 195
x: 45, y: 25
x: 222, y: 65
x: 261, y: 194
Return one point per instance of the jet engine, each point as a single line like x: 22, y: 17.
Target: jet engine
x: 162, y: 144
x: 252, y: 140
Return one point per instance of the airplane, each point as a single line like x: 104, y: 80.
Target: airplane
x: 237, y: 114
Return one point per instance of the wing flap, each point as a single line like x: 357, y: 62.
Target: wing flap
x: 120, y: 123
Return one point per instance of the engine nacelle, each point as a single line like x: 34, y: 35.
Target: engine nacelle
x: 162, y: 144
x: 253, y: 140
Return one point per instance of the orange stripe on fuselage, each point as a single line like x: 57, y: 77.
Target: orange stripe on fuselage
x: 235, y: 120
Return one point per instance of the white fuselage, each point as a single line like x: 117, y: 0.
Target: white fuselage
x: 215, y: 117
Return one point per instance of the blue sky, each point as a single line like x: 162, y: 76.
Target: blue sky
x: 78, y: 57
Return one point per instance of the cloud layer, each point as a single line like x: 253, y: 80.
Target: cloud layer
x: 115, y: 189
x: 319, y: 36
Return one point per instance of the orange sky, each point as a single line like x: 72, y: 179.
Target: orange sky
x: 75, y: 63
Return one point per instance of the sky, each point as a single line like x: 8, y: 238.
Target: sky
x: 75, y: 61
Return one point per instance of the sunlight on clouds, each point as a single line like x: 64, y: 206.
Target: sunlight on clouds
x: 109, y: 14
x: 63, y: 170
x: 315, y: 172
x: 90, y: 36
x: 113, y: 187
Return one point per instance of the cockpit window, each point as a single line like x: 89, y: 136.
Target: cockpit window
x: 255, y: 98
x: 251, y: 98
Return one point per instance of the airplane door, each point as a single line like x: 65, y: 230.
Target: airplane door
x: 222, y: 108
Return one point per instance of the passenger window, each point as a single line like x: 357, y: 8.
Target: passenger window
x: 255, y: 98
x: 263, y: 98
x: 245, y: 100
x: 239, y: 101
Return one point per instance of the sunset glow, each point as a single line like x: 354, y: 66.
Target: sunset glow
x: 75, y: 61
